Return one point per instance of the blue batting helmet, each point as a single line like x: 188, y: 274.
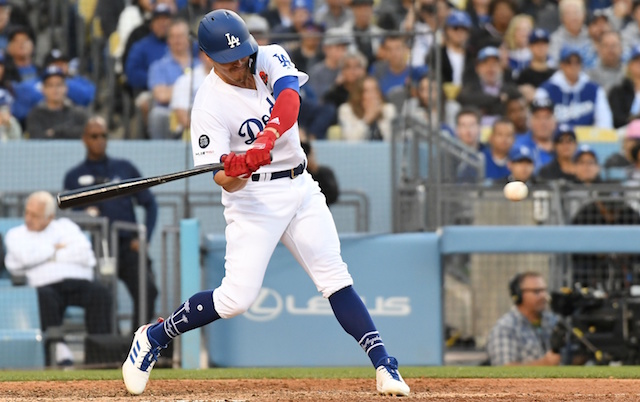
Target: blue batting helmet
x: 224, y: 37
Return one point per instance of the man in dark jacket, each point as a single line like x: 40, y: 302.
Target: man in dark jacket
x: 99, y: 168
x: 625, y: 105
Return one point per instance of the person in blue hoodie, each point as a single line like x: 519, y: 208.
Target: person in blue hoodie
x: 578, y: 100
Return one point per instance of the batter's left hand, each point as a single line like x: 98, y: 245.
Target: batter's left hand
x: 260, y: 153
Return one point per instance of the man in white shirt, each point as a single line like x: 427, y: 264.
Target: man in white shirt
x: 56, y: 258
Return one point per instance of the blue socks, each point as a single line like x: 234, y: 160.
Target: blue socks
x: 196, y: 312
x: 354, y: 317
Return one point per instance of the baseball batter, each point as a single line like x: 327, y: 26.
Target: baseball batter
x: 245, y: 115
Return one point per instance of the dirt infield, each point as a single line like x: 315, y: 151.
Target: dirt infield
x: 423, y: 389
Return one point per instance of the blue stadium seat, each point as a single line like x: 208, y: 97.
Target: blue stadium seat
x: 21, y: 340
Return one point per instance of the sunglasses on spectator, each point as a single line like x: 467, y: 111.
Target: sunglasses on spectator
x: 95, y: 136
x: 537, y: 291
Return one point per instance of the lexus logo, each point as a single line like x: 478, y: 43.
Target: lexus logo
x: 268, y: 305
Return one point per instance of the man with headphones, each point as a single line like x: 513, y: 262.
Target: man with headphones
x: 525, y: 335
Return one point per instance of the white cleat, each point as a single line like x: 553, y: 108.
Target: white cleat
x: 140, y: 361
x: 388, y: 379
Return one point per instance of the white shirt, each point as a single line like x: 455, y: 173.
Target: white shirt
x: 457, y: 65
x: 181, y: 91
x: 227, y: 118
x: 34, y: 253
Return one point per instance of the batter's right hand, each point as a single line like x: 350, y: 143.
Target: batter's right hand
x: 236, y: 166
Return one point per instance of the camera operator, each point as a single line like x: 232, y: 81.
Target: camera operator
x: 528, y: 334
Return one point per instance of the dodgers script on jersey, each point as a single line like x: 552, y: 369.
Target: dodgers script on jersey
x: 238, y: 119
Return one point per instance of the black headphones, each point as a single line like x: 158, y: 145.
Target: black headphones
x: 514, y: 289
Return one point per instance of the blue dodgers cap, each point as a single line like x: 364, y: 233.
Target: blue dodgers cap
x: 538, y: 35
x: 564, y: 129
x: 520, y: 153
x: 458, y: 19
x: 161, y: 9
x: 542, y: 103
x: 52, y: 71
x: 487, y: 52
x: 584, y: 149
x: 568, y: 51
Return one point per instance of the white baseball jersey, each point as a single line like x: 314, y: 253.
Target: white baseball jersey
x: 226, y: 118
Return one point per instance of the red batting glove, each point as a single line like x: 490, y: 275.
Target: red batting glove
x: 260, y: 153
x: 236, y: 166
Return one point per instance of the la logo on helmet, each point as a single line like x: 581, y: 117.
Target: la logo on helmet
x: 232, y: 41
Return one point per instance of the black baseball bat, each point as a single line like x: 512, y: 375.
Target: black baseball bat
x: 102, y: 192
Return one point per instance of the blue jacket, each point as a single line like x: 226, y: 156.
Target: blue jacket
x: 142, y: 54
x: 118, y: 209
x: 582, y: 104
x: 540, y: 156
x: 494, y: 170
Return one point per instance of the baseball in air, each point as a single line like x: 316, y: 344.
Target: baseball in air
x: 516, y: 191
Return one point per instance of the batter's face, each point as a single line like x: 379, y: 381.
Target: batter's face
x: 236, y: 73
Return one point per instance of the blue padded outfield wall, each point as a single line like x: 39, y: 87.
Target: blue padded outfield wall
x: 291, y: 324
x: 398, y: 275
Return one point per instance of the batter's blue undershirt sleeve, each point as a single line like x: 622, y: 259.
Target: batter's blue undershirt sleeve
x: 288, y: 81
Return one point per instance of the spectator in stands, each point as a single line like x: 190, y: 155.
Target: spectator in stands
x: 366, y: 116
x: 392, y: 13
x: 561, y: 167
x: 133, y: 16
x: 495, y: 154
x: 597, y: 25
x: 521, y: 164
x: 5, y: 22
x: 422, y: 106
x: 490, y: 89
x: 367, y: 35
x: 9, y: 126
x: 539, y: 140
x: 322, y: 174
x: 467, y: 131
x: 492, y: 33
x: 633, y: 172
x: 608, y: 70
x: 333, y: 14
x: 57, y: 259
x: 517, y: 42
x: 544, y: 13
x: 394, y: 72
x: 578, y: 100
x: 323, y: 74
x: 572, y: 32
x: 184, y: 91
x: 308, y: 53
x: 354, y: 68
x: 516, y: 113
x: 624, y: 98
x: 631, y: 32
x: 624, y: 159
x: 619, y: 14
x: 55, y: 117
x: 81, y: 91
x: 253, y: 6
x: 539, y: 69
x: 259, y: 28
x: 289, y: 35
x: 528, y: 334
x: 421, y: 23
x: 147, y: 50
x: 163, y: 73
x: 279, y: 13
x: 478, y: 11
x: 19, y: 63
x: 587, y: 166
x: 232, y: 5
x: 454, y: 56
x: 100, y: 168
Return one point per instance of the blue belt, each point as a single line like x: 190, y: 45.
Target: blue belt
x: 291, y: 173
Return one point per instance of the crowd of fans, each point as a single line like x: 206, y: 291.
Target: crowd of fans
x: 515, y: 71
